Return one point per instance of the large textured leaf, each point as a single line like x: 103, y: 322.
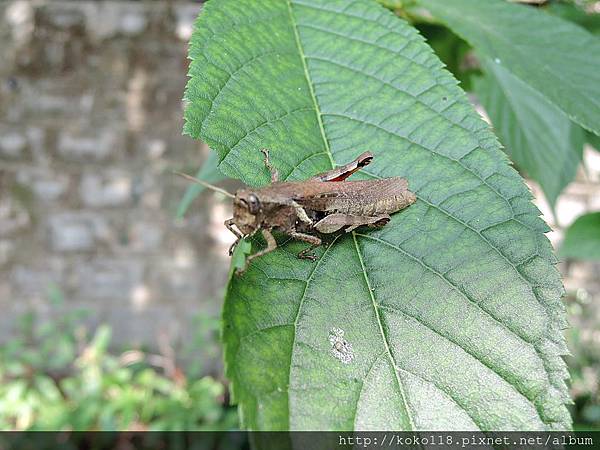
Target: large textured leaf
x: 555, y: 57
x: 538, y: 136
x: 582, y: 239
x: 447, y: 318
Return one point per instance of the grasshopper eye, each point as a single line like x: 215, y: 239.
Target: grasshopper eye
x: 253, y: 204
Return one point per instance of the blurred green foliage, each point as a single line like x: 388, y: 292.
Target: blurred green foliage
x: 52, y: 377
x: 582, y: 239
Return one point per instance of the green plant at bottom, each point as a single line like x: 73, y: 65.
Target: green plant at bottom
x: 51, y: 378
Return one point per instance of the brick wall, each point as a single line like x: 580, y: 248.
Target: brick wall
x: 90, y: 128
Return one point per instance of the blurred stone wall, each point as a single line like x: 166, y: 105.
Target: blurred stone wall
x: 90, y: 129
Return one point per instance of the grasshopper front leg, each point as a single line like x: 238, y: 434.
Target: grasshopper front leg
x: 229, y: 224
x: 271, y: 245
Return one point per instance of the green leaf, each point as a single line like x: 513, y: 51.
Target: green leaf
x: 538, y: 136
x: 574, y: 13
x: 208, y: 172
x: 582, y: 239
x: 555, y: 57
x: 452, y: 311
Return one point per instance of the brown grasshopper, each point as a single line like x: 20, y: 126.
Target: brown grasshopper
x: 323, y: 204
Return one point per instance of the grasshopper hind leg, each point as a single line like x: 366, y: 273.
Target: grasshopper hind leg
x: 335, y: 222
x: 313, y: 240
x: 343, y: 172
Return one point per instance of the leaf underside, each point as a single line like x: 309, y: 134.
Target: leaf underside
x: 537, y: 135
x: 555, y: 57
x: 453, y: 309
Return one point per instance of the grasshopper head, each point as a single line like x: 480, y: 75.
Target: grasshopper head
x: 247, y: 211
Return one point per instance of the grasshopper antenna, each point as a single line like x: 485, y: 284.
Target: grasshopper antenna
x: 204, y: 183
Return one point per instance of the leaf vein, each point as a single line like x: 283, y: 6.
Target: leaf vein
x: 449, y: 282
x: 408, y: 139
x: 308, y: 81
x: 383, y: 335
x: 447, y: 394
x: 230, y: 77
x: 259, y: 126
x: 468, y: 352
x: 369, y: 43
x: 482, y: 237
x: 301, y: 304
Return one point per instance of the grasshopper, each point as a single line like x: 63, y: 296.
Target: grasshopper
x: 323, y: 204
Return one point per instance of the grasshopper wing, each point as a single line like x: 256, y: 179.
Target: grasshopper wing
x: 368, y: 197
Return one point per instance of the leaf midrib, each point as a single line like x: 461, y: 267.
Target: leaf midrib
x: 309, y: 83
x: 449, y: 338
x: 383, y: 335
x: 333, y: 165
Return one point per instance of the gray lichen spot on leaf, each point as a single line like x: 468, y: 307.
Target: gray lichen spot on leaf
x: 340, y: 347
